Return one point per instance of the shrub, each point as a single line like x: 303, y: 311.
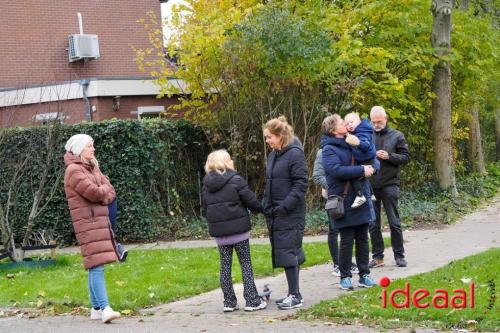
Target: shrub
x: 154, y: 165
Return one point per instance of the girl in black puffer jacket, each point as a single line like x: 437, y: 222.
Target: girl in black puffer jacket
x: 226, y: 199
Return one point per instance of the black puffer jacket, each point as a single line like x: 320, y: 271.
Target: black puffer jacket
x: 284, y: 204
x: 226, y: 198
x: 394, y: 142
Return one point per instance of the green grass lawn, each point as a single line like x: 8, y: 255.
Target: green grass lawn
x: 365, y: 307
x: 148, y: 278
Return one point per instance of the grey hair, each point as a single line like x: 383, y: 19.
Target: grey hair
x: 377, y: 109
x: 330, y: 123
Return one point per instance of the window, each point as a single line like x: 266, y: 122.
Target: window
x: 144, y: 112
x: 50, y: 117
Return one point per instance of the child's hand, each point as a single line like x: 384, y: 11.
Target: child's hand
x: 352, y: 140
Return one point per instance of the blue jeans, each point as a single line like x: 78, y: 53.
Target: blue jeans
x: 97, y: 287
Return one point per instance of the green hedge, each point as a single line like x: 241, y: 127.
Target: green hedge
x: 154, y: 165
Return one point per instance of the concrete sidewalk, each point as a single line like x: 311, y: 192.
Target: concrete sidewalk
x: 184, y: 244
x: 426, y: 250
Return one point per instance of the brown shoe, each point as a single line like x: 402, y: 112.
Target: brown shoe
x: 376, y: 263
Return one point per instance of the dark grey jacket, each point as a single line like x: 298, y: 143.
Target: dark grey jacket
x: 285, y: 205
x: 226, y: 198
x: 394, y: 142
x: 319, y: 171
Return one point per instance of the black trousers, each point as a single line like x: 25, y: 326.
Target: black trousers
x: 333, y: 243
x: 389, y: 196
x: 292, y: 277
x: 357, y: 235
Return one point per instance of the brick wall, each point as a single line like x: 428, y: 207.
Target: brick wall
x: 24, y: 115
x: 34, y: 39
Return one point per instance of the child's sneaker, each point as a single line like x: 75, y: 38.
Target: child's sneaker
x: 122, y: 253
x: 346, y: 284
x: 358, y: 201
x: 336, y: 270
x: 261, y: 306
x: 354, y: 269
x: 231, y: 308
x: 366, y: 282
x: 95, y: 314
x: 291, y: 302
x: 109, y: 315
x: 373, y: 198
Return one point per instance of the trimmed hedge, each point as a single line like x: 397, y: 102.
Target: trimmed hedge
x: 154, y: 165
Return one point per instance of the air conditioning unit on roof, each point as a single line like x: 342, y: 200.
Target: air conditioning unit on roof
x: 83, y: 47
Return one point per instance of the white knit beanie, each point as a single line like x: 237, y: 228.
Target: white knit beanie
x: 77, y: 143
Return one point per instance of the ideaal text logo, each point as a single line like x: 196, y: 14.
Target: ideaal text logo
x: 423, y: 298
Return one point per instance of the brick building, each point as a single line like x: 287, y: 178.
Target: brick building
x: 37, y: 80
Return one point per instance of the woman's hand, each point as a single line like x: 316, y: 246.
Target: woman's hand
x: 369, y: 170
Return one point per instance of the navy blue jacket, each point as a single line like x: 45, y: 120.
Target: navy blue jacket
x: 337, y: 158
x: 284, y: 204
x: 366, y: 149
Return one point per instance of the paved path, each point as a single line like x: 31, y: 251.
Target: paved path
x: 426, y: 250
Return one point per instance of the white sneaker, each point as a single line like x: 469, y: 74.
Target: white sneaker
x: 336, y: 270
x: 373, y: 197
x: 358, y: 201
x: 108, y: 315
x: 261, y: 306
x: 230, y: 308
x: 95, y: 314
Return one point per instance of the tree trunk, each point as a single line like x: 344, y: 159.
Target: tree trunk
x: 497, y: 132
x: 441, y: 105
x: 476, y: 155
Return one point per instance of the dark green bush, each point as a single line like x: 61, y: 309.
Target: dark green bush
x: 154, y: 165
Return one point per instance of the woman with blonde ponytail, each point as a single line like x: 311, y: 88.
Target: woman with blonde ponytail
x: 284, y: 204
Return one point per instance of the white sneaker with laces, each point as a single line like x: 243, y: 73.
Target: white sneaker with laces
x: 336, y: 270
x: 261, y: 306
x: 109, y: 315
x: 95, y: 314
x: 358, y: 201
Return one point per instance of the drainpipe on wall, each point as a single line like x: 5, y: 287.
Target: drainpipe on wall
x: 88, y: 107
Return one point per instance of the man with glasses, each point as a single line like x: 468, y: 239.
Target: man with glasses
x: 392, y: 151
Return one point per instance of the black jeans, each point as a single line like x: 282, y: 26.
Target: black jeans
x: 333, y: 243
x: 389, y: 196
x: 357, y: 235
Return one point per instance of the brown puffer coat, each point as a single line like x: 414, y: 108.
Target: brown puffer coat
x: 89, y: 192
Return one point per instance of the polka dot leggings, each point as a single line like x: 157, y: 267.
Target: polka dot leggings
x: 226, y: 260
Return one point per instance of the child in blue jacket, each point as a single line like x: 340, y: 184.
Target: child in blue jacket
x: 360, y: 138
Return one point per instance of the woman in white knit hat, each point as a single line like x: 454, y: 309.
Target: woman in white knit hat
x: 89, y: 193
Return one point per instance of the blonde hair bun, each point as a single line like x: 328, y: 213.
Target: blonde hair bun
x: 280, y: 127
